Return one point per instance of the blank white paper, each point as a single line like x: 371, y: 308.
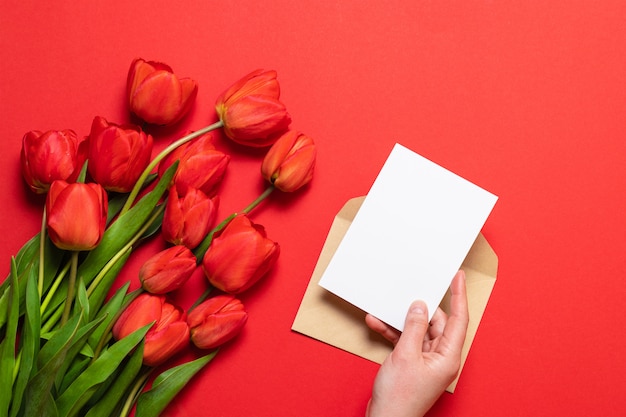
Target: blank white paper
x: 409, y: 238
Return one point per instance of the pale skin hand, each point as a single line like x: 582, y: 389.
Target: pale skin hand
x: 425, y: 360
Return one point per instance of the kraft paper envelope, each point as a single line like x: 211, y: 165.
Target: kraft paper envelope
x: 330, y: 319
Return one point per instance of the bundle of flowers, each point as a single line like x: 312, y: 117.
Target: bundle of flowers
x: 71, y: 344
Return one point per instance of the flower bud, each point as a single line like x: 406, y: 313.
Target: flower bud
x: 167, y: 270
x: 76, y: 215
x: 49, y: 156
x: 168, y: 335
x: 239, y: 256
x: 251, y: 111
x: 118, y: 154
x: 156, y: 95
x: 216, y: 321
x: 200, y: 166
x: 290, y: 162
x: 188, y: 219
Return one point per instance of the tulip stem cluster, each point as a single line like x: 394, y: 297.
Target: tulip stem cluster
x: 135, y: 191
x: 69, y: 348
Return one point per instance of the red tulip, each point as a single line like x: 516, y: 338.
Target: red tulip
x: 188, y: 219
x: 239, y: 256
x: 251, y: 111
x: 290, y: 162
x: 118, y: 154
x: 156, y: 95
x: 76, y: 215
x: 168, y: 335
x: 216, y: 321
x: 200, y: 166
x: 49, y: 156
x: 167, y: 270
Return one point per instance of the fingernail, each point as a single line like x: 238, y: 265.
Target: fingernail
x: 418, y: 308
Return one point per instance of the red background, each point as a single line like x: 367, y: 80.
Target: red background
x: 525, y: 98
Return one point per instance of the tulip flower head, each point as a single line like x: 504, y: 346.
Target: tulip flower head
x: 188, y: 219
x: 216, y: 321
x: 290, y: 162
x: 168, y: 335
x: 49, y: 156
x: 118, y: 154
x: 239, y: 256
x: 167, y: 270
x: 251, y: 110
x: 200, y: 166
x: 76, y: 215
x: 156, y: 95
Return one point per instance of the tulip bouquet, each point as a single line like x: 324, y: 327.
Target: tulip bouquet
x: 70, y: 344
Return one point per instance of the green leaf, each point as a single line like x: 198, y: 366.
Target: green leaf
x: 27, y: 264
x: 20, y: 285
x: 154, y: 227
x: 7, y: 347
x: 79, y: 346
x: 108, y: 313
x: 114, y: 394
x: 58, y: 341
x: 38, y: 390
x: 30, y: 344
x: 66, y: 376
x: 165, y: 387
x: 4, y: 305
x: 82, y: 302
x: 124, y: 228
x: 98, y: 295
x: 80, y: 391
x: 48, y: 407
x: 117, y: 200
x: 26, y: 254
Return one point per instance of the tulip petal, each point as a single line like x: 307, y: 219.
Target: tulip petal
x: 239, y: 256
x: 76, y: 215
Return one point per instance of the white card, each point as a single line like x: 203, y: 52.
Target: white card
x: 409, y: 238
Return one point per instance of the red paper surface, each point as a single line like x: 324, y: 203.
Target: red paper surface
x: 527, y: 99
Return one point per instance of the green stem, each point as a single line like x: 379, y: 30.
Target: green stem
x: 260, y: 198
x: 18, y: 362
x: 204, y: 245
x: 140, y: 382
x: 70, y: 288
x: 135, y: 191
x: 201, y: 299
x: 96, y: 281
x: 52, y: 320
x: 53, y: 288
x: 42, y: 242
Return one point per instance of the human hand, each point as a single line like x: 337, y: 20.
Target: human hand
x: 425, y: 359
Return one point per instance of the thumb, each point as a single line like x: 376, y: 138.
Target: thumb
x: 415, y: 328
